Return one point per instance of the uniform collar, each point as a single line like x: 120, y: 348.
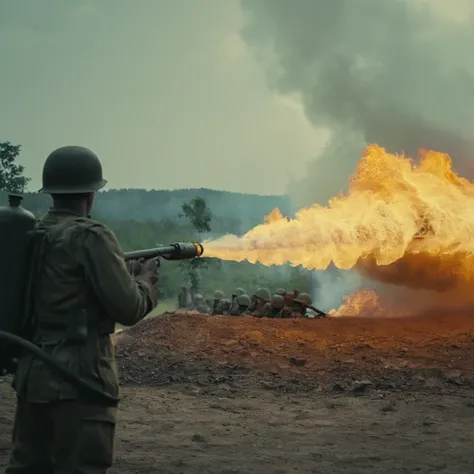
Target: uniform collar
x: 68, y: 212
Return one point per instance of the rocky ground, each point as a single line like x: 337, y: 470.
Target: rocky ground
x: 241, y: 395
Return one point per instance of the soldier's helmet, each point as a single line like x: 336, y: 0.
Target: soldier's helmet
x: 243, y: 300
x: 263, y: 293
x: 280, y: 291
x: 72, y: 170
x: 304, y: 299
x: 239, y: 291
x: 198, y: 297
x: 277, y: 301
x: 218, y: 295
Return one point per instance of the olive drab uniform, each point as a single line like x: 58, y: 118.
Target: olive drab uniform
x: 273, y: 309
x: 242, y: 303
x: 217, y: 302
x: 184, y: 298
x: 260, y: 298
x: 200, y: 305
x: 82, y: 288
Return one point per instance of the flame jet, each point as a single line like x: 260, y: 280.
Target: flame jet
x: 401, y: 222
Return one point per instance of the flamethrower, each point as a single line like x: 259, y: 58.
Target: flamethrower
x: 177, y: 251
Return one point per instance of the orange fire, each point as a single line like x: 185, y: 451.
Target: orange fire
x: 365, y: 302
x: 400, y: 223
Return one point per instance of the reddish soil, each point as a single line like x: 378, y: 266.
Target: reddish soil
x: 222, y: 395
x: 319, y: 350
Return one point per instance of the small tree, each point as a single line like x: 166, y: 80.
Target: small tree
x: 11, y: 173
x: 199, y: 216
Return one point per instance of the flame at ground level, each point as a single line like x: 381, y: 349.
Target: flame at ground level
x: 401, y: 223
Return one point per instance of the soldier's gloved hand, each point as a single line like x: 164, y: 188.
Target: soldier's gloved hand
x: 150, y: 270
x: 134, y: 267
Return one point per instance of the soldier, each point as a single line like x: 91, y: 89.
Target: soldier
x: 241, y: 306
x: 287, y: 310
x: 300, y: 306
x: 216, y: 306
x: 184, y: 298
x: 224, y: 306
x: 261, y: 297
x: 82, y: 288
x: 200, y: 305
x: 280, y: 291
x: 303, y: 305
x: 273, y: 309
x: 237, y: 292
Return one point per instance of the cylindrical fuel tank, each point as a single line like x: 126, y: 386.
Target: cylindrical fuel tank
x: 16, y: 237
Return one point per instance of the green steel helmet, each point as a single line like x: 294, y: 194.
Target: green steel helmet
x: 243, y: 300
x: 218, y: 295
x: 280, y: 291
x: 304, y: 299
x: 263, y: 293
x: 239, y: 291
x: 72, y: 170
x: 277, y: 301
x: 198, y: 297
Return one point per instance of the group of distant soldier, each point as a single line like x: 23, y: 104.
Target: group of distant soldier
x: 260, y: 304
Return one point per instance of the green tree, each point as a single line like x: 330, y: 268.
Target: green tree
x: 11, y: 173
x: 198, y: 214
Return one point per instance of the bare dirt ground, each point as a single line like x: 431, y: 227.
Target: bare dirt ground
x: 241, y: 395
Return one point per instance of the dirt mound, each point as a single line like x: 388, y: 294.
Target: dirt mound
x: 332, y: 351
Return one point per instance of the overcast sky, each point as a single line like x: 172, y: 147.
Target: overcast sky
x: 188, y: 93
x: 164, y: 91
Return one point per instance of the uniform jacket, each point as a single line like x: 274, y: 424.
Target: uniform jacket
x: 82, y: 288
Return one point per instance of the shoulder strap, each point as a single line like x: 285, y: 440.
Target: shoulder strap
x: 43, y: 237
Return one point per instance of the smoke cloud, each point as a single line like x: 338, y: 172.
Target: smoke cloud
x: 398, y: 73
x: 394, y: 72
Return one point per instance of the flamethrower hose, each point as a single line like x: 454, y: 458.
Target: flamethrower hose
x: 70, y: 377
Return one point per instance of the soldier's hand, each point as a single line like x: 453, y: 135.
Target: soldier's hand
x: 134, y: 267
x: 150, y: 270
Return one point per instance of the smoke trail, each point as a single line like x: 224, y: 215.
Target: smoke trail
x: 391, y: 72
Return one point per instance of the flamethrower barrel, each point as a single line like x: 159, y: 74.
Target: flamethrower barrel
x: 177, y: 251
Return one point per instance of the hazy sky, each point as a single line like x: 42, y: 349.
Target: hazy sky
x: 164, y: 91
x: 188, y: 93
x: 399, y: 73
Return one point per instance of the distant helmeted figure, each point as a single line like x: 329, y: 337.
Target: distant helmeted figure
x: 242, y: 303
x: 184, y: 298
x: 274, y: 307
x: 200, y: 305
x: 260, y: 298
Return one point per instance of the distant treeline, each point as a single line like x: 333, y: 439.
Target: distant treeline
x: 235, y: 211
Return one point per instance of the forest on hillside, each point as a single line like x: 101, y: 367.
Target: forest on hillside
x: 233, y: 212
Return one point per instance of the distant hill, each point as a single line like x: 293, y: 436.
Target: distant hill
x: 233, y: 212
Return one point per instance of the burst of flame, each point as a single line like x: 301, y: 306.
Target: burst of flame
x: 400, y: 222
x: 363, y: 301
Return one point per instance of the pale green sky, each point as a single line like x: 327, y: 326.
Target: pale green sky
x: 165, y: 91
x: 170, y: 93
